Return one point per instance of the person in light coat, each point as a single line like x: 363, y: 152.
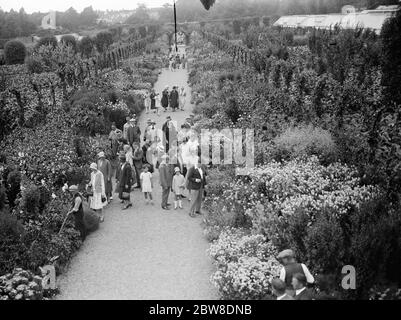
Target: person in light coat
x: 98, y: 199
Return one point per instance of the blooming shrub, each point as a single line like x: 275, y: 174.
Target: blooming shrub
x: 278, y: 191
x: 245, y: 265
x: 235, y: 243
x: 306, y: 141
x: 21, y: 285
x: 247, y: 279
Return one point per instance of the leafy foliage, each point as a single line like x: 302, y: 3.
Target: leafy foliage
x: 47, y: 41
x: 14, y: 52
x: 103, y: 40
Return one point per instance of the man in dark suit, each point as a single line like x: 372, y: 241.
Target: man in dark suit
x: 169, y: 133
x: 166, y: 172
x: 134, y: 133
x: 196, y: 183
x: 125, y: 181
x: 301, y: 291
x: 138, y: 162
x: 279, y: 288
x: 174, y: 97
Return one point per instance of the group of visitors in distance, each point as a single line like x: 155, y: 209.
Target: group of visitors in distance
x: 174, y: 99
x: 174, y: 152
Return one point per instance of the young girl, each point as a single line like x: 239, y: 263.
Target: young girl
x: 178, y: 187
x: 147, y: 184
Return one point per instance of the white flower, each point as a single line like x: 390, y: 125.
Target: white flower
x: 54, y: 196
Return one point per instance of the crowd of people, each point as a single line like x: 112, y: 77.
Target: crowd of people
x: 176, y: 61
x: 174, y: 100
x: 134, y: 158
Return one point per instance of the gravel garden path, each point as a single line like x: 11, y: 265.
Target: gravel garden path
x: 144, y: 252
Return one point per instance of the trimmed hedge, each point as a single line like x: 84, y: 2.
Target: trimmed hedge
x: 14, y: 52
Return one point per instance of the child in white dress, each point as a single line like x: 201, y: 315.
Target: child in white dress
x: 147, y: 184
x: 177, y: 187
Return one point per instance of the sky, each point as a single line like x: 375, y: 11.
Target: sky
x: 47, y: 5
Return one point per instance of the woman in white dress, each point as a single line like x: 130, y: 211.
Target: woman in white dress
x: 148, y: 102
x: 158, y: 103
x: 183, y: 98
x: 99, y: 191
x: 147, y: 184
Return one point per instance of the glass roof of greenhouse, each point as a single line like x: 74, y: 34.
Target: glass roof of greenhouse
x: 369, y: 19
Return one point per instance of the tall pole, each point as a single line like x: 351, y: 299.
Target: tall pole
x: 175, y: 27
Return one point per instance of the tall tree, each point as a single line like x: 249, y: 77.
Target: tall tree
x: 88, y: 16
x: 391, y: 38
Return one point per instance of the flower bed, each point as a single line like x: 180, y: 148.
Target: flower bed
x: 245, y: 265
x: 55, y: 136
x: 22, y: 285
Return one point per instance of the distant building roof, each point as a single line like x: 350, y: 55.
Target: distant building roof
x: 369, y: 19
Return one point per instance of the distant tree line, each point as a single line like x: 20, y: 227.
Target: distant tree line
x: 194, y: 10
x: 20, y: 24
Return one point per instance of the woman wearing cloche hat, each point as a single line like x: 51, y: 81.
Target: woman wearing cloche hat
x: 98, y: 200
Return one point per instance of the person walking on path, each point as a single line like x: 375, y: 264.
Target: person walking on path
x: 166, y: 179
x: 98, y: 199
x: 134, y: 133
x: 150, y: 131
x: 183, y: 98
x: 174, y: 99
x: 129, y: 155
x: 177, y: 188
x: 148, y: 102
x: 114, y: 136
x: 78, y: 211
x: 148, y: 154
x: 165, y: 98
x: 153, y: 96
x: 126, y: 127
x: 147, y: 184
x: 138, y: 162
x: 125, y: 181
x: 169, y: 133
x: 291, y: 267
x: 104, y: 167
x: 197, y: 183
x: 158, y: 99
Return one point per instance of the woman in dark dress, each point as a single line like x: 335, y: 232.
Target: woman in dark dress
x: 174, y: 97
x: 165, y: 98
x: 78, y: 211
x: 153, y: 100
x: 125, y: 181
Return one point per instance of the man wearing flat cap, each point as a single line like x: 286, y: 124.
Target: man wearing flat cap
x: 291, y: 267
x: 134, y: 133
